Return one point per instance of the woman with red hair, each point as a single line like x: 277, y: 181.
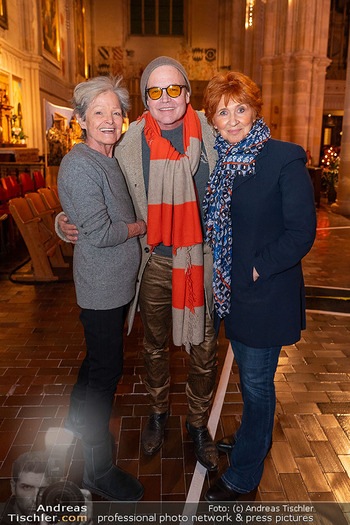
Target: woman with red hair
x: 260, y: 222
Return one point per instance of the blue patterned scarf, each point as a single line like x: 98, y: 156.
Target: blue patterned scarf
x: 235, y: 160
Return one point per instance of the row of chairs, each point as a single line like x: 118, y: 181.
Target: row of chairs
x: 34, y: 215
x: 12, y: 187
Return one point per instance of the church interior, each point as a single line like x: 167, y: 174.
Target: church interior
x: 297, y: 52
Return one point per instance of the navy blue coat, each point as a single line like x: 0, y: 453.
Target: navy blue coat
x: 273, y: 227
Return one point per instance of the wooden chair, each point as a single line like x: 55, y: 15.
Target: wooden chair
x: 39, y: 180
x: 50, y: 199
x: 3, y: 217
x: 40, y: 209
x: 27, y: 182
x: 42, y: 245
x: 54, y: 188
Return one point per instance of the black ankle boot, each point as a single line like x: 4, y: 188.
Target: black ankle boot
x: 226, y: 444
x: 204, y: 446
x: 75, y: 420
x: 221, y: 492
x: 152, y: 437
x: 104, y: 478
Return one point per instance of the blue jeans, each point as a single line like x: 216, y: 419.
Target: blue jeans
x: 257, y: 367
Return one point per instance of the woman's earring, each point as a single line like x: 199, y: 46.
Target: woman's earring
x: 215, y: 132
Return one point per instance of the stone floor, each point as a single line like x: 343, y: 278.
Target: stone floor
x: 42, y: 344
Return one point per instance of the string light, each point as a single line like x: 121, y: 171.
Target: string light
x: 329, y: 156
x: 249, y: 13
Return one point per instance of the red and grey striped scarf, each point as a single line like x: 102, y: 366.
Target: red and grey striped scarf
x: 173, y: 219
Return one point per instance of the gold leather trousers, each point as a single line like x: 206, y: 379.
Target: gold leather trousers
x: 156, y: 315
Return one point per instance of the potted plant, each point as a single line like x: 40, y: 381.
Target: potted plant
x: 17, y: 133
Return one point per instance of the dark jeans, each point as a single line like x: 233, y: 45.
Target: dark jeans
x: 101, y: 369
x: 257, y: 367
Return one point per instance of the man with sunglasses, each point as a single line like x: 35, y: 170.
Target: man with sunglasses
x: 158, y: 165
x: 166, y: 157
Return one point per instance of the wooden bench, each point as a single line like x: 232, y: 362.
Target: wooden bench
x: 42, y: 244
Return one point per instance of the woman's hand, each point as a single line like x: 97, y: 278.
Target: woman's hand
x: 69, y: 230
x: 137, y: 228
x: 255, y: 274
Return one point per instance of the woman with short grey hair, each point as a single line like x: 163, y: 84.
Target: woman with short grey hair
x: 94, y: 197
x: 86, y: 92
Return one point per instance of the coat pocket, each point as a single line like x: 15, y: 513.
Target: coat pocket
x: 245, y: 289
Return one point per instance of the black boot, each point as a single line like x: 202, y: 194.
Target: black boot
x: 153, y: 434
x: 104, y: 478
x: 75, y: 420
x: 226, y: 444
x: 221, y: 492
x: 204, y: 446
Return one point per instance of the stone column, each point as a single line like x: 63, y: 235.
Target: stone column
x: 302, y: 62
x: 224, y: 35
x: 237, y: 36
x: 342, y: 205
x: 239, y: 47
x: 267, y: 81
x: 319, y: 67
x: 231, y: 35
x: 294, y: 69
x: 32, y: 109
x: 287, y: 109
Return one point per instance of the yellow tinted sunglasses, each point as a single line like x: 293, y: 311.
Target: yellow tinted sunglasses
x: 156, y: 92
